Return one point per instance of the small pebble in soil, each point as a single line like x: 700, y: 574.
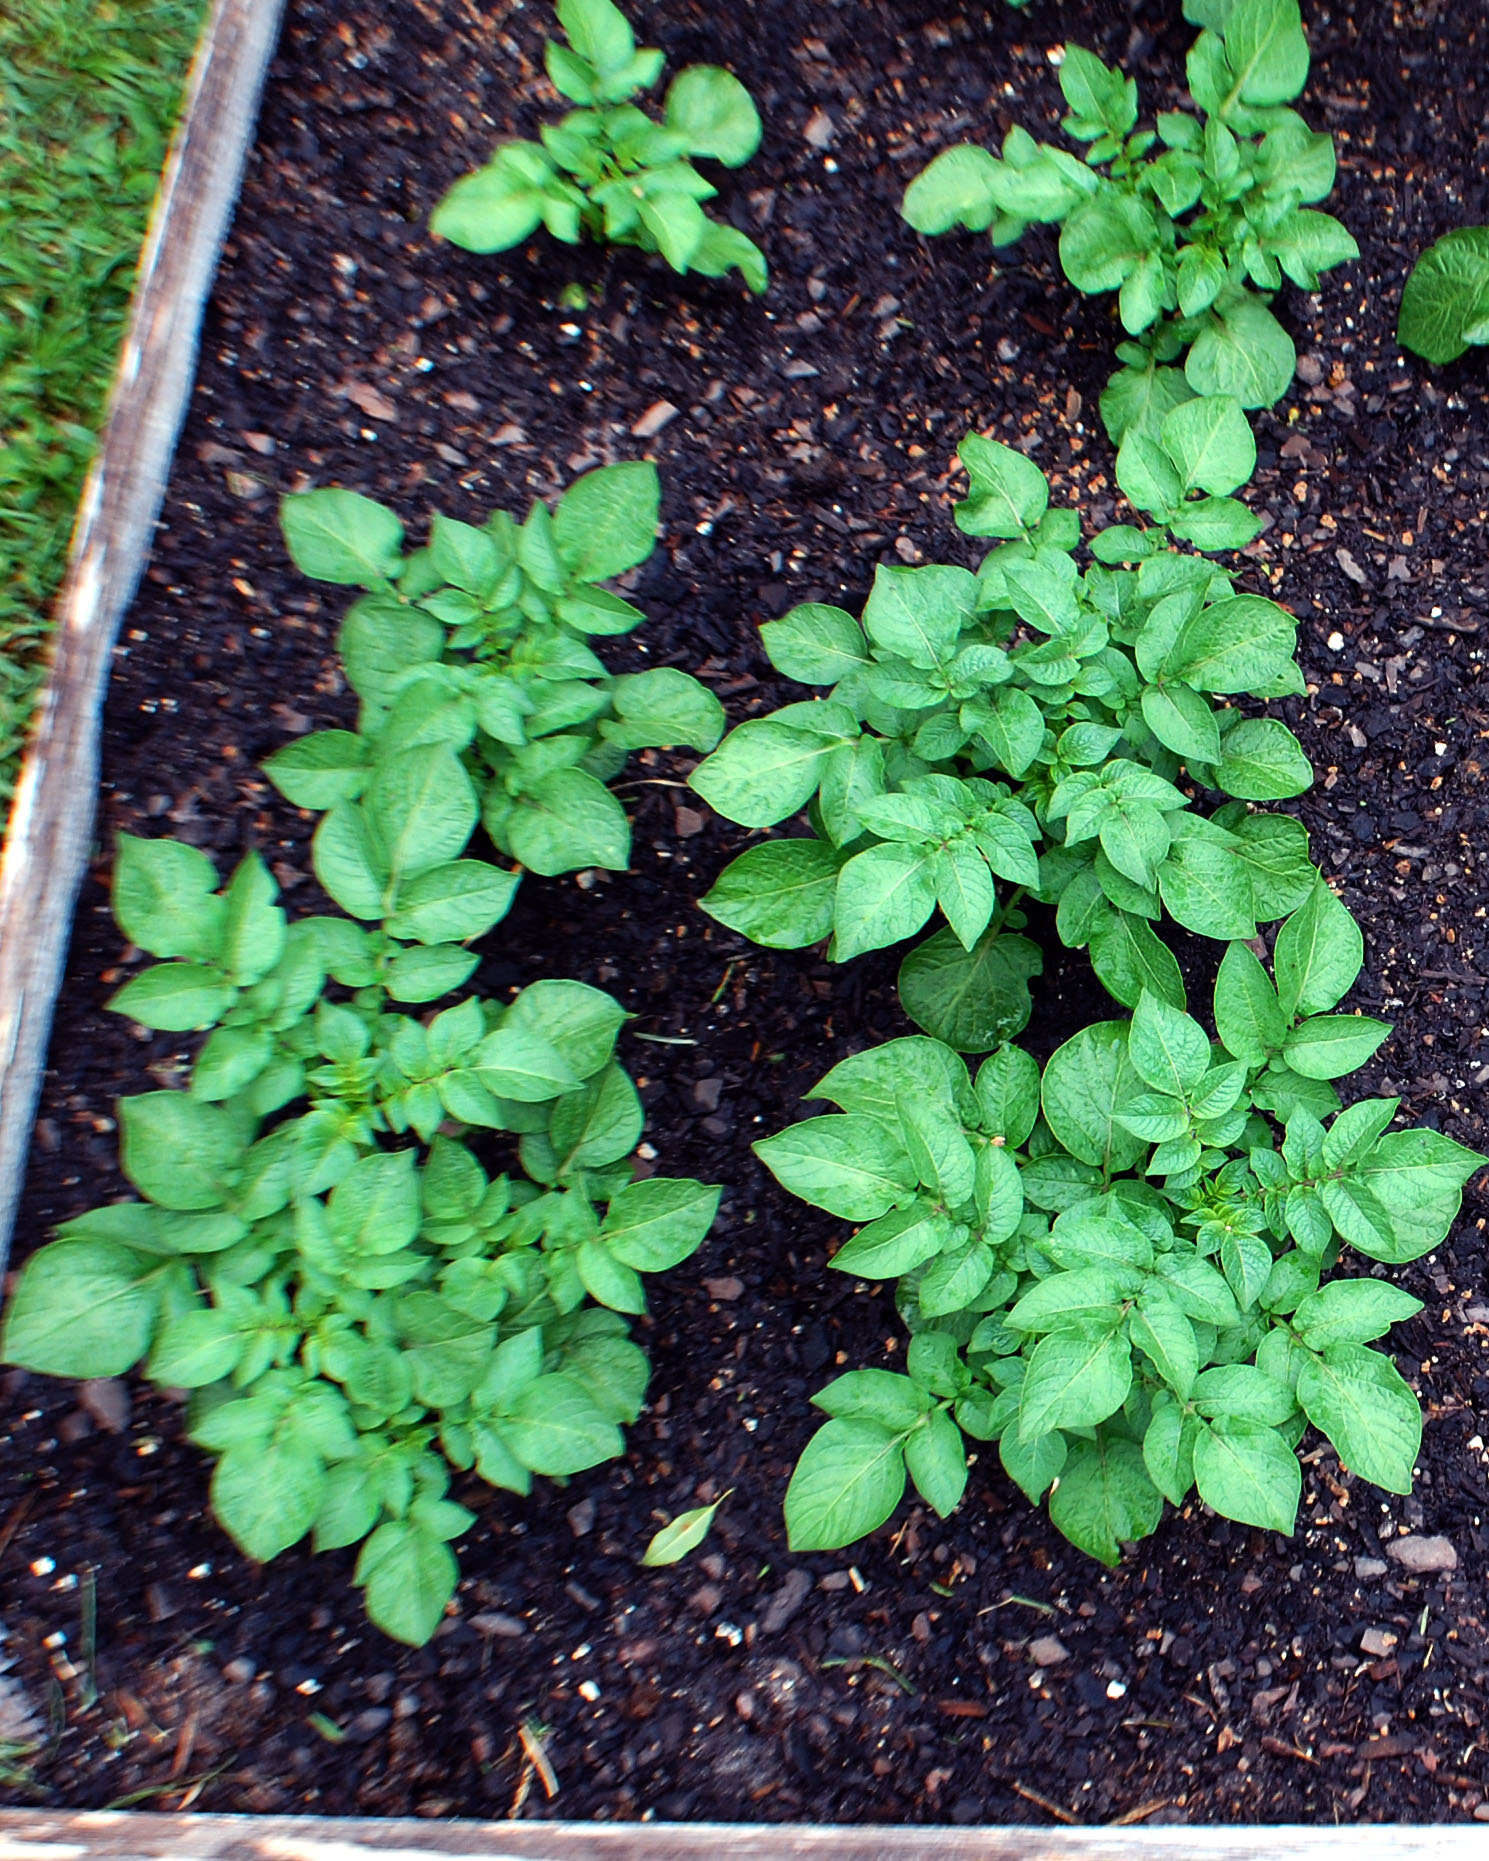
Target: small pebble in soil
x: 1048, y: 1651
x: 1421, y: 1555
x: 504, y: 1627
x: 783, y: 1605
x: 106, y: 1398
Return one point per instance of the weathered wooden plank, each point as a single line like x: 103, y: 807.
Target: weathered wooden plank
x: 51, y: 821
x: 48, y: 1836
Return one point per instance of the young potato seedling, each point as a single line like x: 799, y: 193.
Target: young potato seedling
x: 1118, y: 1270
x: 480, y: 643
x: 1033, y: 729
x: 609, y: 171
x: 377, y: 1246
x: 1194, y: 222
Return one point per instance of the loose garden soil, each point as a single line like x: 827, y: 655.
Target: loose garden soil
x: 1221, y: 1675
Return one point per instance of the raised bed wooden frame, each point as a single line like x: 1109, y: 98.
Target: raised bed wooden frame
x: 103, y: 1836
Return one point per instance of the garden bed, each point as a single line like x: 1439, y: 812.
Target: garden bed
x: 1221, y: 1675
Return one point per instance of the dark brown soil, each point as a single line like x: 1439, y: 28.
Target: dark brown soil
x: 1220, y: 1675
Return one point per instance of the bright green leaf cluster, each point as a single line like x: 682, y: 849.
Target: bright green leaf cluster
x: 608, y: 169
x: 1115, y: 1270
x: 321, y: 1256
x: 1023, y: 730
x: 1194, y: 222
x: 1445, y: 306
x: 481, y: 697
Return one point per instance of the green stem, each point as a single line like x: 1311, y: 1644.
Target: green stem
x: 1000, y: 918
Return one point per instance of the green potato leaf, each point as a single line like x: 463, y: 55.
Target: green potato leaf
x: 1246, y: 1471
x: 1105, y: 1498
x: 1445, y: 305
x: 680, y: 1535
x: 849, y: 1479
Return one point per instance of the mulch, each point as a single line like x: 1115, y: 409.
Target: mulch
x: 972, y: 1670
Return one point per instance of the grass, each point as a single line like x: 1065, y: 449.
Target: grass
x: 88, y: 95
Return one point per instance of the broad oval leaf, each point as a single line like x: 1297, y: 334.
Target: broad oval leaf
x: 1105, y: 1498
x: 846, y: 1163
x: 1074, y: 1380
x: 781, y: 893
x: 715, y: 112
x: 606, y: 522
x: 82, y: 1307
x: 955, y: 190
x: 1446, y: 299
x: 1245, y: 353
x: 1246, y: 1471
x: 1087, y: 1082
x: 340, y: 536
x: 849, y: 1479
x: 972, y: 1000
x: 1361, y: 1402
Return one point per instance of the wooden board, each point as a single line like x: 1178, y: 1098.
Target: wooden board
x: 51, y: 822
x: 101, y: 1836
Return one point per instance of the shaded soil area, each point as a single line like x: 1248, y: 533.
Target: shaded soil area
x: 1221, y: 1675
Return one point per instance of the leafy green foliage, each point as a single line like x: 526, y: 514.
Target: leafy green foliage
x: 1194, y: 222
x: 1116, y: 1271
x: 87, y: 98
x: 607, y: 169
x: 321, y: 1256
x: 480, y: 693
x: 1030, y: 729
x: 1445, y: 306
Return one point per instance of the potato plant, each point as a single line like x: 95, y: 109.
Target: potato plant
x: 1119, y: 1270
x: 323, y: 1253
x: 1033, y: 729
x: 609, y: 171
x: 480, y: 642
x: 1194, y: 222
